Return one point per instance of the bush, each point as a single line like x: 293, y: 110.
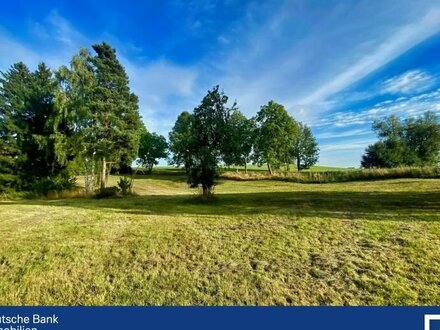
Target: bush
x: 125, y: 185
x: 340, y: 176
x: 8, y: 182
x: 51, y: 185
x: 107, y: 192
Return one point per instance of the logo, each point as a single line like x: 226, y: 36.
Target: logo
x: 429, y: 318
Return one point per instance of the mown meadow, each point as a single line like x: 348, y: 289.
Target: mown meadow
x: 259, y: 242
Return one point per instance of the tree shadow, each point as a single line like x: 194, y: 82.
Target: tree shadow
x: 422, y: 206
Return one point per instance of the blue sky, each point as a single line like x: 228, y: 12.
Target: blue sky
x: 335, y: 65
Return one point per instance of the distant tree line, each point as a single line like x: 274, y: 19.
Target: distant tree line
x: 83, y: 119
x: 409, y: 142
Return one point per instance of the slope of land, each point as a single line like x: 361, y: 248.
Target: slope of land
x: 258, y: 243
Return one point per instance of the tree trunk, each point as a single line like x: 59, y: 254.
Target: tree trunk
x: 269, y: 168
x: 102, y: 177
x: 86, y: 176
x: 298, y: 164
x: 245, y: 165
x: 92, y: 179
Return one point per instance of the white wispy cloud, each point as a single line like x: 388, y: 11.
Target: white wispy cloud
x: 396, y: 44
x: 402, y: 107
x: 345, y: 133
x: 410, y: 82
x: 303, y: 66
x: 359, y: 145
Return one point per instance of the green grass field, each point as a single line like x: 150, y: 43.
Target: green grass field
x: 258, y: 243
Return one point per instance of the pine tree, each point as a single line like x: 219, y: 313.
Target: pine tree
x: 114, y: 110
x: 14, y: 92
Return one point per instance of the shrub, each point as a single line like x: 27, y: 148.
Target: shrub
x: 125, y: 185
x: 8, y: 182
x: 50, y: 185
x: 107, y: 192
x: 340, y: 176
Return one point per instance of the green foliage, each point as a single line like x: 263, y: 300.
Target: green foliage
x: 106, y: 192
x: 125, y: 185
x: 275, y: 134
x: 240, y: 134
x: 14, y: 93
x: 61, y: 182
x: 305, y: 149
x: 113, y: 108
x: 208, y: 139
x: 8, y: 182
x: 95, y: 93
x: 339, y: 176
x: 412, y: 142
x: 180, y: 141
x: 32, y: 129
x: 151, y: 148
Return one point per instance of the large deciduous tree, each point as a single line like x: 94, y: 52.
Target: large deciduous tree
x: 77, y: 84
x: 151, y: 148
x: 305, y: 149
x: 97, y: 95
x: 239, y: 140
x: 422, y: 136
x: 412, y: 142
x: 180, y: 140
x: 276, y: 132
x: 208, y: 138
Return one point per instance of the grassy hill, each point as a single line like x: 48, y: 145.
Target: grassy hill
x: 258, y: 243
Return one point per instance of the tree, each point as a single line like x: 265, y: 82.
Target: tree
x: 15, y: 87
x: 275, y: 133
x: 152, y: 147
x: 76, y: 89
x: 33, y: 129
x: 422, y: 137
x: 97, y: 94
x: 413, y: 142
x: 391, y: 134
x: 208, y: 135
x: 239, y: 140
x: 305, y: 148
x: 114, y: 110
x: 180, y: 141
x: 374, y: 156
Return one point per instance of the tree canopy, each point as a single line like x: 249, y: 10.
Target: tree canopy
x: 180, y: 141
x: 208, y: 133
x: 276, y: 132
x: 411, y: 142
x: 152, y: 147
x: 305, y: 149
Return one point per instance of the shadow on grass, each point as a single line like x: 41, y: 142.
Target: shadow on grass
x: 422, y: 206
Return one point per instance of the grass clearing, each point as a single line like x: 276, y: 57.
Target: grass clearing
x: 258, y: 243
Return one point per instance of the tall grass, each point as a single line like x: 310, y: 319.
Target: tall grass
x: 338, y: 176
